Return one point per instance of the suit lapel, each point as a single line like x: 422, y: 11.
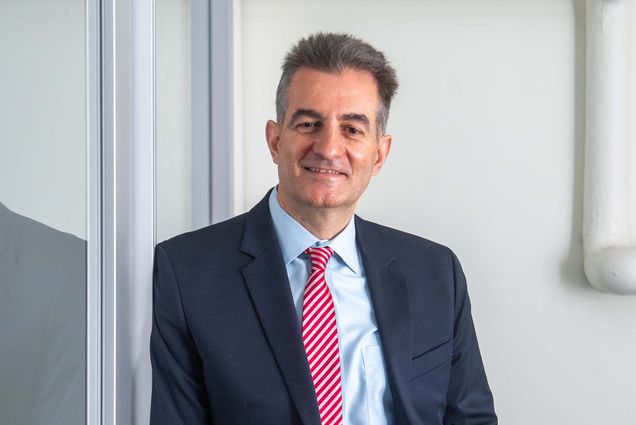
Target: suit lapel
x: 268, y: 286
x: 390, y: 300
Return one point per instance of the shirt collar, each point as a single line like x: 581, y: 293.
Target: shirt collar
x: 294, y: 239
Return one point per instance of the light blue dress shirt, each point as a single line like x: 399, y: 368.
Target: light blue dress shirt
x: 366, y: 396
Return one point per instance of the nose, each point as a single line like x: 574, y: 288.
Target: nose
x: 328, y: 143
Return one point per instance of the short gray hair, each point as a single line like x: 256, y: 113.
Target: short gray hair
x: 332, y: 52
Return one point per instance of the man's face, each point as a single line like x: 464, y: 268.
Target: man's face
x: 328, y: 146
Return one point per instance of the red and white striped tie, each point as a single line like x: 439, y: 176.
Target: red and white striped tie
x: 320, y: 337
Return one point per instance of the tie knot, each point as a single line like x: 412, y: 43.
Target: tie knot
x: 319, y: 256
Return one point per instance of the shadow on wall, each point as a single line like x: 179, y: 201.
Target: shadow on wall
x: 572, y: 265
x: 42, y: 323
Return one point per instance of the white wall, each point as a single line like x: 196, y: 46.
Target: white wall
x: 487, y: 158
x: 173, y: 109
x: 43, y: 111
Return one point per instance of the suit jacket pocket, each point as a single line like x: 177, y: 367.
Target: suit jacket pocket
x: 431, y: 359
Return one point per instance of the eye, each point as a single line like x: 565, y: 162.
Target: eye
x: 353, y: 130
x: 308, y: 126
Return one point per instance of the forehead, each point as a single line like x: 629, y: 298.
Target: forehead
x: 348, y: 91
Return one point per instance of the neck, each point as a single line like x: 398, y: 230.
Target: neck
x: 323, y: 223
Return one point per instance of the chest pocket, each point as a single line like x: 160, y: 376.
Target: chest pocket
x: 431, y: 359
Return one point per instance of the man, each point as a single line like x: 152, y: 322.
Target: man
x: 299, y: 312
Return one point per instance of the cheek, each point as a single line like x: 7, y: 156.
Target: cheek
x: 283, y: 156
x: 364, y: 161
x: 287, y: 162
x: 291, y: 151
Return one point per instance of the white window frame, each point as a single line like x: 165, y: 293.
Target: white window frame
x: 120, y: 394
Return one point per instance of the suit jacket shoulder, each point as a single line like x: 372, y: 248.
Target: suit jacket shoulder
x: 224, y: 235
x: 409, y: 250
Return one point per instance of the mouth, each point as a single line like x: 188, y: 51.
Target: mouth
x: 326, y: 171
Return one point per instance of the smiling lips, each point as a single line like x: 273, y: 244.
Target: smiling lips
x: 323, y: 171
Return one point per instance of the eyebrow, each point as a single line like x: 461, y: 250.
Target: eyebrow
x: 305, y: 113
x: 362, y: 118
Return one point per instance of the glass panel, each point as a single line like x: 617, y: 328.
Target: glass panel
x: 174, y: 139
x: 42, y: 212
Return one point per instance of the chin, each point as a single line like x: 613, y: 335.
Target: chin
x: 326, y: 201
x: 319, y: 198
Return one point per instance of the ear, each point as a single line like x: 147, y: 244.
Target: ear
x: 272, y: 135
x: 382, y: 152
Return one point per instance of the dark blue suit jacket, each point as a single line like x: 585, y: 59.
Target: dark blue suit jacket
x: 226, y: 344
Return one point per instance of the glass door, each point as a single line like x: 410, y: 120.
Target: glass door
x: 44, y: 213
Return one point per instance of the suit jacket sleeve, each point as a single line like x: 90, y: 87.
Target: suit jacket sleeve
x: 178, y: 389
x: 469, y: 400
